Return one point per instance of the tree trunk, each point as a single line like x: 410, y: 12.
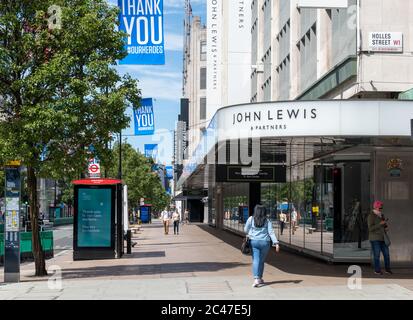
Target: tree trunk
x: 38, y: 254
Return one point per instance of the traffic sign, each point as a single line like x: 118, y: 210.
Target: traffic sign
x: 94, y: 168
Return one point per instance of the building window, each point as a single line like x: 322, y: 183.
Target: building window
x: 308, y: 58
x: 202, y: 111
x: 203, y: 50
x: 203, y: 78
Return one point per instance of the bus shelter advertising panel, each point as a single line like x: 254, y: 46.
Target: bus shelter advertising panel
x: 98, y: 205
x: 94, y: 217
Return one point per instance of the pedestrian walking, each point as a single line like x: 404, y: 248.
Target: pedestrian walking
x: 260, y: 231
x: 186, y: 216
x: 293, y: 219
x: 41, y: 218
x: 175, y: 218
x: 166, y: 217
x: 283, y: 219
x: 378, y: 227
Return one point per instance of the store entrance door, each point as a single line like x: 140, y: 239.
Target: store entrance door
x: 196, y: 210
x: 351, y: 185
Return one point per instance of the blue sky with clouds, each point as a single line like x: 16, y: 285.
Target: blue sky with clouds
x: 163, y: 83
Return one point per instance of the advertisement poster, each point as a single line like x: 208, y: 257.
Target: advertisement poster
x: 13, y: 204
x: 142, y: 21
x: 94, y: 221
x: 12, y: 221
x: 144, y: 118
x: 12, y: 200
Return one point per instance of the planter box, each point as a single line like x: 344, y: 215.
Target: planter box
x: 46, y: 238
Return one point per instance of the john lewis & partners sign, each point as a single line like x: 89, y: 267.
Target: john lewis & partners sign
x: 314, y: 119
x: 142, y: 20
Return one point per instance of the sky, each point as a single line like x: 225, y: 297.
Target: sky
x: 163, y: 83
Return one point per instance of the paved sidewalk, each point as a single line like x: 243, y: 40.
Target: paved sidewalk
x: 201, y: 263
x: 203, y: 288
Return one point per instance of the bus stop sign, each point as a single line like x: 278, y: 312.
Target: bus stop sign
x: 12, y: 225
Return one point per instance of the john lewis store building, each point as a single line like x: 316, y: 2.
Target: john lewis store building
x: 326, y: 160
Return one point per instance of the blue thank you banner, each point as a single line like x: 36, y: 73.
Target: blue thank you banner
x: 151, y: 151
x: 169, y: 172
x: 142, y: 20
x: 144, y: 118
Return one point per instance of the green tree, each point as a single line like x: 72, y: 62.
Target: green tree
x: 67, y: 192
x: 138, y: 175
x: 59, y: 90
x: 2, y: 177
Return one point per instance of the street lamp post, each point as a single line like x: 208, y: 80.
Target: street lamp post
x: 55, y: 193
x: 120, y: 156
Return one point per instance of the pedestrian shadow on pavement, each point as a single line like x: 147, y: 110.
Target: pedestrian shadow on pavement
x: 280, y: 282
x: 150, y: 269
x: 294, y: 263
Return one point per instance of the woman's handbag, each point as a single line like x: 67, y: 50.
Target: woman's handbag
x: 387, y: 239
x: 246, y: 246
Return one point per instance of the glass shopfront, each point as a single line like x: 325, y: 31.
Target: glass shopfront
x: 318, y: 189
x: 235, y: 197
x: 211, y: 209
x: 301, y: 208
x: 323, y: 204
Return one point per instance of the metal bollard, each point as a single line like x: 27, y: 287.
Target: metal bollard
x: 129, y: 242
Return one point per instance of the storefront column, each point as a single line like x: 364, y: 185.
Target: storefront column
x: 219, y: 206
x: 254, y: 196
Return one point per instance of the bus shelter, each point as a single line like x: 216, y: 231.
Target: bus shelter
x: 98, y: 219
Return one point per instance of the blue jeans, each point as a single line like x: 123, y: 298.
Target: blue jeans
x: 260, y: 250
x: 377, y: 247
x: 176, y: 227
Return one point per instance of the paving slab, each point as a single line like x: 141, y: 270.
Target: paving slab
x: 201, y: 263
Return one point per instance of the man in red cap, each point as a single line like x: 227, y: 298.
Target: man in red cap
x: 377, y: 228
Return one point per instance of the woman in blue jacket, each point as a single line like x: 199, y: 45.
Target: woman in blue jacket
x: 260, y: 231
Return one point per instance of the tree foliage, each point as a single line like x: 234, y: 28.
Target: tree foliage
x: 2, y: 177
x: 59, y: 90
x: 138, y: 175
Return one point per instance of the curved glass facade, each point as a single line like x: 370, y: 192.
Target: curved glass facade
x: 323, y: 204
